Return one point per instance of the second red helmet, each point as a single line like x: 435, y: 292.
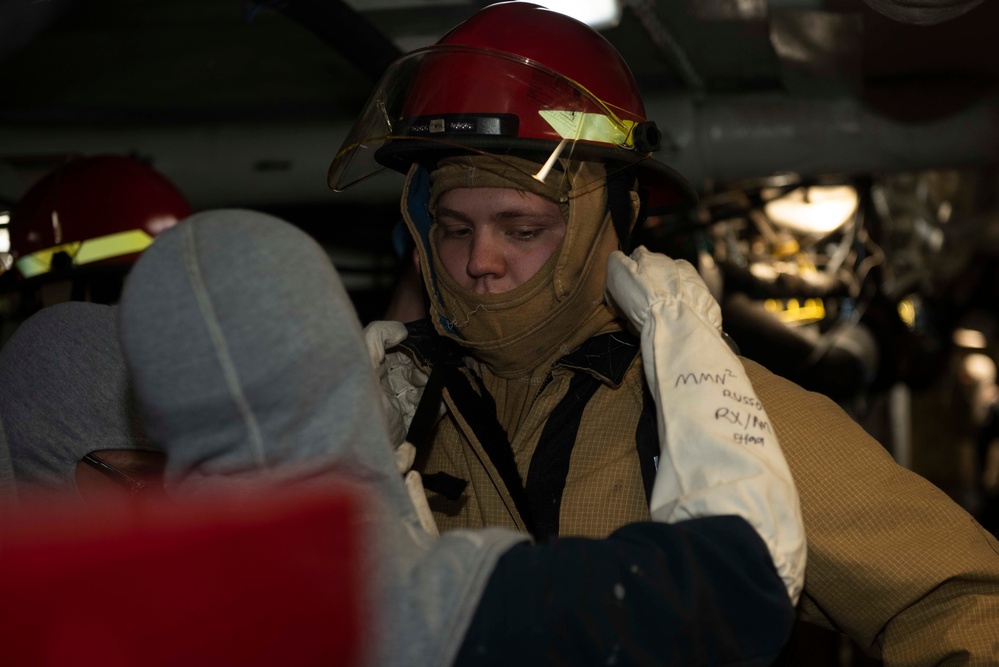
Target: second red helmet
x: 90, y: 210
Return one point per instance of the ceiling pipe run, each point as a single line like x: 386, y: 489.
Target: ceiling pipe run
x: 736, y: 138
x: 346, y: 31
x: 725, y: 140
x: 922, y: 12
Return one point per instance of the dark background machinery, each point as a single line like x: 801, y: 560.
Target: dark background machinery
x: 891, y: 106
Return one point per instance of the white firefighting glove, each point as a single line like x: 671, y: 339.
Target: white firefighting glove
x: 405, y: 454
x: 402, y: 386
x: 719, y: 454
x: 401, y: 381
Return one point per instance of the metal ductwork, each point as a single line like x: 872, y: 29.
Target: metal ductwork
x: 728, y: 139
x: 346, y: 31
x: 922, y: 12
x: 725, y: 139
x: 215, y: 165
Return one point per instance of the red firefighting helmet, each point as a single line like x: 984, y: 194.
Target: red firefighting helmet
x: 93, y: 210
x: 515, y: 78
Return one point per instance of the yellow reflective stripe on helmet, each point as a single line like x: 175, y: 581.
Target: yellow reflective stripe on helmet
x: 112, y: 245
x: 40, y: 262
x: 576, y: 125
x: 85, y: 252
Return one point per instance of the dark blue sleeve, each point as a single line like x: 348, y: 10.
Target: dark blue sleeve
x: 699, y: 592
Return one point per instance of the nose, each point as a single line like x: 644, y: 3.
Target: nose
x: 486, y: 261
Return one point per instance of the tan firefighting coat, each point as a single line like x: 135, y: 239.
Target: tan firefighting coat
x: 892, y: 561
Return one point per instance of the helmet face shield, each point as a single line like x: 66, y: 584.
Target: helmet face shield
x: 514, y: 79
x: 452, y: 100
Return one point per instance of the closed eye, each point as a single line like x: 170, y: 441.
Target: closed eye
x: 455, y: 232
x: 527, y: 234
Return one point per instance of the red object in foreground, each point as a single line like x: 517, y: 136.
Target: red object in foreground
x: 274, y: 580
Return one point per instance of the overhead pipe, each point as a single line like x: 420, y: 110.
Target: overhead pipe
x: 213, y: 164
x: 729, y: 139
x: 725, y: 139
x: 666, y: 43
x: 346, y: 31
x: 22, y: 22
x: 922, y: 12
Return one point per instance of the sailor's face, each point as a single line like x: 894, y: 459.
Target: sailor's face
x: 492, y: 240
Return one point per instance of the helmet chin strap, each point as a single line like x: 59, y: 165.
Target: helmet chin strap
x: 626, y: 206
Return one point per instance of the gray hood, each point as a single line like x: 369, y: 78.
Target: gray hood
x: 249, y: 366
x: 64, y: 392
x: 244, y: 350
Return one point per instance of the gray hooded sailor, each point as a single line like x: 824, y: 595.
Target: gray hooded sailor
x: 249, y: 369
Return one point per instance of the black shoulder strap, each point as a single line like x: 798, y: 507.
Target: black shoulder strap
x: 426, y: 411
x: 479, y: 410
x: 539, y: 500
x: 443, y: 359
x: 550, y: 463
x: 430, y: 349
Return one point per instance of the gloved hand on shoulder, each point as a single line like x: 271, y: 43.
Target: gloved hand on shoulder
x: 401, y: 381
x: 719, y: 453
x: 402, y: 386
